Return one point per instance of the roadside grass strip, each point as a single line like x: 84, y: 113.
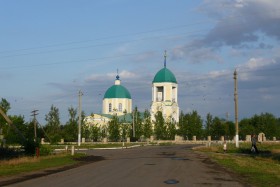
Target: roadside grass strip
x: 28, y: 164
x: 259, y: 170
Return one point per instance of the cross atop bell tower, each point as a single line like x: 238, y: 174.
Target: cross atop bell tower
x: 165, y: 55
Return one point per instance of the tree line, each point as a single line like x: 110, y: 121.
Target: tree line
x: 189, y: 125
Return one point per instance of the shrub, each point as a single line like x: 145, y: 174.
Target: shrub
x: 30, y: 147
x: 45, y: 150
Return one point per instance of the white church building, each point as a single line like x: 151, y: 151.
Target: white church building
x: 117, y: 100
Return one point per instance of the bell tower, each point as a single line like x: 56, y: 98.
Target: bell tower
x: 165, y: 94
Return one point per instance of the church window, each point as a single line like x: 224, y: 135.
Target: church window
x: 110, y: 107
x: 120, y: 107
x: 174, y: 94
x: 159, y: 94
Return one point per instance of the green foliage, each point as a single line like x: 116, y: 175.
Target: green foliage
x: 138, y: 125
x: 114, y: 129
x: 45, y: 150
x: 5, y: 105
x: 70, y: 129
x: 164, y: 129
x: 208, y: 126
x: 265, y: 122
x: 147, y: 126
x: 190, y: 125
x: 53, y: 125
x: 194, y: 124
x: 182, y: 126
x: 170, y: 129
x: 16, y: 132
x: 218, y: 129
x: 30, y: 147
x: 160, y: 128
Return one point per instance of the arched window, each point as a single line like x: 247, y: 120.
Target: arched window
x: 120, y: 107
x: 110, y: 107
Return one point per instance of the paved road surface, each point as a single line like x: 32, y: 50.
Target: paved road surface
x: 143, y: 166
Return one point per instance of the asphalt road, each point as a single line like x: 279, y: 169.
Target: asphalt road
x: 149, y: 166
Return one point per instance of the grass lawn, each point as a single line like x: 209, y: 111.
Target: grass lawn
x: 261, y: 169
x: 27, y: 164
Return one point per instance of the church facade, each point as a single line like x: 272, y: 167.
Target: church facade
x: 117, y: 100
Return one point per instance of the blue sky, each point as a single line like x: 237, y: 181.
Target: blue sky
x: 49, y: 50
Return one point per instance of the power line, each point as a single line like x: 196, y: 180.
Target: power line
x: 126, y: 34
x: 104, y: 44
x: 104, y: 38
x: 116, y: 36
x: 72, y: 61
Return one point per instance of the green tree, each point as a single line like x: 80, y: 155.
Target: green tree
x: 246, y: 128
x: 159, y: 125
x: 53, y: 125
x: 230, y: 132
x: 218, y: 129
x: 170, y: 129
x: 194, y: 124
x: 5, y: 105
x: 30, y: 135
x: 182, y: 126
x: 70, y: 129
x: 266, y: 123
x: 147, y: 125
x: 208, y: 124
x: 138, y: 123
x: 278, y: 129
x: 114, y: 129
x: 95, y: 133
x: 16, y: 132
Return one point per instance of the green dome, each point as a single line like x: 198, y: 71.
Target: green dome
x: 117, y: 91
x: 164, y: 75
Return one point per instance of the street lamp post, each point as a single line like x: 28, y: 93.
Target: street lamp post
x: 236, y: 108
x: 80, y: 113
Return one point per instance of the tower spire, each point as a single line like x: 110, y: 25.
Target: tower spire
x: 165, y: 55
x: 117, y: 81
x: 117, y: 77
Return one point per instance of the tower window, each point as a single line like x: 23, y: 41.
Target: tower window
x: 120, y: 107
x: 159, y: 94
x: 110, y: 107
x: 174, y: 94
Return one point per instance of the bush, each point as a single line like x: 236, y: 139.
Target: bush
x: 45, y: 150
x: 30, y: 147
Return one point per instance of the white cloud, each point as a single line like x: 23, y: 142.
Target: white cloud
x: 242, y: 20
x: 221, y: 73
x: 255, y: 63
x: 124, y: 74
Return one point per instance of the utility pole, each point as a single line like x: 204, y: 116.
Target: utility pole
x: 133, y: 124
x: 80, y: 117
x: 227, y: 115
x: 236, y: 108
x: 34, y: 114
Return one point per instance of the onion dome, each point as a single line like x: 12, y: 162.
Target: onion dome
x: 117, y: 90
